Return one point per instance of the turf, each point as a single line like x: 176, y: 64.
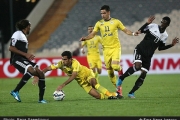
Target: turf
x: 159, y: 96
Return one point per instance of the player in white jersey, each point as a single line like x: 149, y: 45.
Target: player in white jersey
x: 156, y: 37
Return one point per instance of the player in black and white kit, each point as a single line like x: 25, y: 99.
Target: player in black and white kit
x: 22, y: 60
x: 156, y: 37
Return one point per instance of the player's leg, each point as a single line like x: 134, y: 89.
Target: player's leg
x: 98, y: 67
x: 107, y: 60
x: 132, y: 69
x: 116, y: 66
x: 41, y: 85
x: 22, y: 65
x: 144, y: 69
x: 92, y: 81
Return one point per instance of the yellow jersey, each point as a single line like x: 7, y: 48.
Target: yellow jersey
x: 82, y: 71
x: 92, y: 45
x: 109, y: 32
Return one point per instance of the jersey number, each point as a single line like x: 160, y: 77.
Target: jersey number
x: 107, y: 28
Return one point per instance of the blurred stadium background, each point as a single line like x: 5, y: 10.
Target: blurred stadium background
x: 58, y: 25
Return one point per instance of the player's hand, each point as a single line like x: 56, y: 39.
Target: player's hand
x: 175, y: 40
x: 136, y: 33
x: 82, y: 39
x: 59, y: 88
x: 35, y: 80
x: 29, y: 56
x: 150, y: 19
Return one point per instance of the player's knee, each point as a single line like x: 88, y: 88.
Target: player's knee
x: 116, y: 67
x: 137, y: 67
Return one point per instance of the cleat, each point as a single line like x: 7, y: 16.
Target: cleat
x: 119, y: 96
x: 112, y: 97
x: 42, y: 101
x: 119, y: 90
x: 16, y: 95
x: 131, y: 95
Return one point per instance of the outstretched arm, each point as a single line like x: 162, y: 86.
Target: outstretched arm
x: 149, y: 21
x: 71, y: 78
x: 164, y: 47
x: 128, y: 32
x: 91, y: 35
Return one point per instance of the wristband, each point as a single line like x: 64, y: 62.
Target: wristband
x: 133, y: 34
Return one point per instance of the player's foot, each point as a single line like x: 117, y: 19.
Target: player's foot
x: 119, y: 96
x: 42, y: 101
x: 131, y: 95
x: 119, y: 90
x: 16, y: 95
x: 112, y: 97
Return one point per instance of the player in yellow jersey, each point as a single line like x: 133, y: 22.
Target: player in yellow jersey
x: 108, y: 28
x: 93, y: 53
x: 83, y: 75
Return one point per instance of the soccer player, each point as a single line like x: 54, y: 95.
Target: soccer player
x: 83, y: 75
x: 22, y: 60
x: 156, y: 37
x: 108, y: 28
x: 93, y: 54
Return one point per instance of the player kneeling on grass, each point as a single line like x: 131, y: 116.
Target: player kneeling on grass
x: 83, y: 75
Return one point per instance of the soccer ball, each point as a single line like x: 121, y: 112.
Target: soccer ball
x: 59, y: 95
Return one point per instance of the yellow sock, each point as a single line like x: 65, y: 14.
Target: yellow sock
x: 103, y: 96
x: 102, y: 90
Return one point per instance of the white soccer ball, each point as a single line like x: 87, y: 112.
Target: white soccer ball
x: 59, y: 95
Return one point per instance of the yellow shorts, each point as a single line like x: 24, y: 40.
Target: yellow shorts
x: 94, y: 61
x: 111, y: 54
x: 85, y: 81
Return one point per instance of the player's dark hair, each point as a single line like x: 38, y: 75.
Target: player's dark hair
x: 22, y: 24
x: 167, y: 19
x: 67, y: 53
x: 105, y: 7
x: 90, y: 26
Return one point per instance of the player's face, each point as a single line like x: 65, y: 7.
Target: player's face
x: 28, y: 29
x: 105, y: 14
x: 90, y: 29
x: 66, y: 61
x: 164, y: 23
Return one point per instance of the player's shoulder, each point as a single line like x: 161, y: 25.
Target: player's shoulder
x: 19, y: 35
x: 74, y: 60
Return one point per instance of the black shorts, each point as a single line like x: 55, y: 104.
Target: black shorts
x: 22, y: 64
x: 145, y: 60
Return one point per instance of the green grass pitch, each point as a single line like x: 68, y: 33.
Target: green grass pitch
x: 159, y: 96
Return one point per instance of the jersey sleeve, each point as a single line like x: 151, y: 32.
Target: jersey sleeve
x: 120, y: 25
x: 56, y: 65
x: 96, y: 27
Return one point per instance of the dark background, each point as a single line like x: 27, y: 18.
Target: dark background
x: 12, y: 11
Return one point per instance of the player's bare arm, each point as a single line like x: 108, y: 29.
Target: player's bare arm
x: 150, y: 19
x: 71, y: 78
x: 27, y: 55
x: 91, y: 35
x: 128, y: 32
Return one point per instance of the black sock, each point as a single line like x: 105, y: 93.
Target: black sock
x: 42, y: 86
x: 128, y: 72
x: 138, y: 83
x: 23, y: 81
